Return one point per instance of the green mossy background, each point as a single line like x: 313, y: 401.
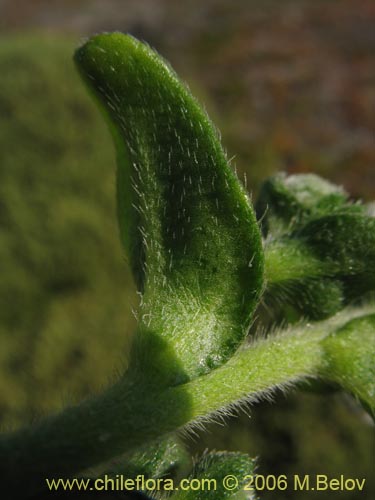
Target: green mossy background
x: 65, y: 290
x: 65, y: 286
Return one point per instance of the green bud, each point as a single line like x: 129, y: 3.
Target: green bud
x: 320, y: 248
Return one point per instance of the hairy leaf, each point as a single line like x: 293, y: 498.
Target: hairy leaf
x: 314, y: 298
x: 217, y: 466
x: 319, y: 248
x: 185, y: 220
x: 152, y: 461
x: 345, y: 243
x: 287, y: 202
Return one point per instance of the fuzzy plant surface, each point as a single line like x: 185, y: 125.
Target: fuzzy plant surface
x: 319, y: 246
x: 204, y: 265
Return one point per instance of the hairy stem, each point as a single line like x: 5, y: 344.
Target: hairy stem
x: 134, y: 411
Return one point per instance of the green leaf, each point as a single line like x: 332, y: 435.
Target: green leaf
x: 345, y: 243
x: 154, y: 461
x: 320, y: 248
x: 349, y: 359
x: 312, y: 298
x: 212, y: 472
x: 299, y: 282
x: 185, y: 221
x: 287, y: 202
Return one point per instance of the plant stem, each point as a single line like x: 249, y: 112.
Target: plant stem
x: 134, y: 411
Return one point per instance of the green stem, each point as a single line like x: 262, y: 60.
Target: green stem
x: 134, y: 411
x: 295, y: 354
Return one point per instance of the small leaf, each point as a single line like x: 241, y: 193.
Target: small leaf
x: 186, y: 222
x: 319, y: 249
x: 349, y: 359
x: 299, y: 282
x: 217, y: 466
x: 345, y: 243
x: 312, y: 298
x: 287, y: 202
x: 152, y: 461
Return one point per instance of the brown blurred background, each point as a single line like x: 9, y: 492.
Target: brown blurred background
x: 291, y: 86
x: 292, y: 82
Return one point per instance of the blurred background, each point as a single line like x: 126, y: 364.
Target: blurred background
x: 291, y: 86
